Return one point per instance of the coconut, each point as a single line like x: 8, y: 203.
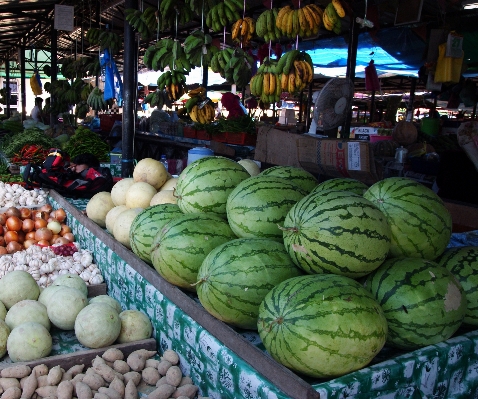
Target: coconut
x: 64, y: 305
x: 29, y: 341
x: 405, y: 133
x: 4, y: 333
x: 16, y: 286
x: 72, y: 280
x: 135, y: 326
x: 97, y: 325
x: 108, y: 300
x: 26, y: 311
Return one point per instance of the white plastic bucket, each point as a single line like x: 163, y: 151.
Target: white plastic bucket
x: 199, y: 152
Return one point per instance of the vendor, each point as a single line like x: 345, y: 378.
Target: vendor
x: 84, y: 164
x: 36, y: 113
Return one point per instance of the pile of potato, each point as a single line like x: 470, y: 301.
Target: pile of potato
x: 110, y: 376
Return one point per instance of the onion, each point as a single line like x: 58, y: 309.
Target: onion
x: 28, y: 225
x: 1, y: 230
x: 14, y: 223
x: 13, y: 247
x: 25, y: 213
x: 13, y: 211
x: 54, y: 226
x: 28, y: 243
x: 41, y: 215
x: 65, y: 229
x: 60, y: 215
x: 61, y: 240
x: 10, y: 236
x: 3, y: 219
x: 2, y: 241
x: 43, y: 243
x: 43, y: 234
x: 69, y: 236
x: 40, y: 223
x: 46, y: 208
x: 30, y: 235
x: 21, y: 237
x: 3, y: 251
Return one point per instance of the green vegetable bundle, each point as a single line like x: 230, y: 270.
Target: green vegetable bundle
x: 85, y: 140
x: 239, y: 124
x: 31, y: 136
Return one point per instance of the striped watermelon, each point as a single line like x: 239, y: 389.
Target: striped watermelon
x: 204, y: 185
x: 299, y: 176
x: 146, y: 225
x: 420, y: 223
x: 336, y: 232
x: 257, y: 205
x: 183, y: 243
x: 423, y: 302
x: 462, y: 262
x: 236, y: 276
x: 342, y: 183
x: 323, y: 325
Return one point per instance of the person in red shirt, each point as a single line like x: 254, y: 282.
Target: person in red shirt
x: 85, y: 168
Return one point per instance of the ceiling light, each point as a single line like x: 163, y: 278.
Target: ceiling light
x: 469, y: 5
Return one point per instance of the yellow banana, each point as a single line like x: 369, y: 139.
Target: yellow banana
x: 326, y: 21
x: 284, y: 82
x: 272, y: 83
x: 236, y: 28
x: 281, y: 20
x: 299, y: 69
x: 244, y: 28
x: 310, y: 71
x: 290, y: 19
x: 312, y: 17
x: 295, y: 23
x: 278, y: 88
x: 303, y: 23
x: 266, y: 84
x: 291, y: 86
x: 194, y: 113
x: 338, y: 8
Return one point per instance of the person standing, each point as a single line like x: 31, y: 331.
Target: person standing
x: 37, y: 114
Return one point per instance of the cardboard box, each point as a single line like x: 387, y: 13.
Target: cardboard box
x: 464, y: 216
x: 339, y: 158
x: 276, y: 147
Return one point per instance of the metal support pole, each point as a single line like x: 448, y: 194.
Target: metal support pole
x: 8, y: 89
x: 309, y: 106
x: 130, y: 87
x: 351, y: 63
x: 54, y: 70
x: 413, y: 86
x: 372, y: 108
x: 23, y: 91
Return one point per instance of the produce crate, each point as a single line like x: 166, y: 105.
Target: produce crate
x: 168, y: 128
x: 221, y: 137
x: 241, y: 138
x: 107, y: 121
x: 203, y: 135
x: 189, y: 132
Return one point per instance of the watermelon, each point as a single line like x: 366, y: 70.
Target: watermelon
x: 336, y: 232
x: 423, y: 302
x: 183, y: 243
x: 299, y: 176
x: 323, y: 325
x: 420, y: 223
x: 204, y: 185
x: 257, y: 205
x: 236, y: 276
x: 146, y: 225
x: 462, y: 262
x: 339, y: 183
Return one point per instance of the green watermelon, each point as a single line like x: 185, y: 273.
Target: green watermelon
x: 423, y: 302
x: 204, y: 185
x: 462, y: 262
x: 236, y: 276
x: 299, y: 176
x: 183, y: 243
x: 419, y: 221
x: 257, y: 205
x: 146, y: 225
x: 322, y: 325
x: 336, y: 232
x: 339, y: 183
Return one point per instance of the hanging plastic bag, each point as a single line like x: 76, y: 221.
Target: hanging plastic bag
x: 448, y: 69
x: 371, y: 78
x: 113, y: 83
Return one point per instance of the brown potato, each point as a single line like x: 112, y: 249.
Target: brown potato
x: 76, y: 369
x: 9, y: 382
x: 83, y: 391
x: 171, y: 356
x: 132, y: 375
x: 47, y: 390
x: 113, y: 354
x: 150, y: 375
x: 41, y: 369
x: 12, y: 393
x: 174, y: 376
x: 121, y: 366
x: 187, y: 390
x: 94, y: 381
x: 164, y: 391
x: 110, y: 392
x: 65, y: 390
x: 54, y: 375
x: 186, y: 380
x: 163, y: 366
x: 30, y: 384
x: 18, y: 371
x: 136, y: 361
x: 105, y: 371
x: 118, y: 386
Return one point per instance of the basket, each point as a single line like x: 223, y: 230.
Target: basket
x: 241, y: 138
x: 203, y: 135
x: 189, y: 132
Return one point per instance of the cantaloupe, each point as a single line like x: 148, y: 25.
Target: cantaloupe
x: 98, y: 207
x: 170, y: 184
x: 150, y: 171
x: 163, y: 197
x: 123, y: 224
x: 139, y: 195
x: 118, y: 192
x: 112, y: 215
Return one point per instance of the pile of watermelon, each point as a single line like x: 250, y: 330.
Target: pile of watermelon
x: 326, y: 273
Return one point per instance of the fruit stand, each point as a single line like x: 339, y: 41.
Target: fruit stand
x: 226, y: 362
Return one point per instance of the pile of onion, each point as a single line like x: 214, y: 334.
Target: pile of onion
x: 22, y: 227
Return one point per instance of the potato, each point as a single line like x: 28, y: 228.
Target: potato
x: 66, y: 377
x: 132, y: 375
x: 118, y: 386
x: 171, y: 356
x: 110, y: 392
x: 65, y: 390
x: 94, y: 381
x: 47, y: 390
x: 150, y: 375
x: 12, y: 393
x: 113, y: 354
x: 152, y: 363
x: 30, y: 384
x: 100, y: 396
x: 187, y: 390
x: 42, y: 381
x: 130, y: 390
x: 78, y: 378
x: 136, y: 361
x: 121, y: 366
x: 18, y: 371
x: 41, y: 369
x: 144, y: 353
x: 163, y: 366
x: 186, y: 380
x: 182, y: 397
x: 76, y: 369
x: 105, y: 371
x: 174, y: 376
x: 161, y: 381
x: 83, y: 391
x: 164, y: 391
x: 54, y: 375
x: 98, y: 360
x: 8, y: 382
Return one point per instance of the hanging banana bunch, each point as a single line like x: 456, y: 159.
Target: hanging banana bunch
x: 158, y: 98
x: 303, y: 22
x: 265, y: 84
x: 96, y: 100
x: 266, y: 27
x: 170, y: 10
x: 199, y: 49
x: 220, y: 60
x: 110, y: 41
x: 174, y: 82
x: 238, y: 69
x: 243, y: 30
x: 333, y: 14
x: 92, y: 36
x: 201, y: 6
x: 144, y: 22
x: 296, y: 71
x: 164, y: 53
x: 35, y: 83
x: 199, y: 109
x: 224, y: 13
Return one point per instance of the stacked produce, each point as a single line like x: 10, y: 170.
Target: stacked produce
x: 15, y: 195
x: 265, y: 84
x: 114, y: 374
x: 85, y: 140
x: 303, y: 22
x: 174, y: 82
x: 166, y: 53
x: 296, y: 71
x: 238, y: 68
x: 13, y: 144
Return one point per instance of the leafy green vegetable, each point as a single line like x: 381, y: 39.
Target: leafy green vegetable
x: 31, y: 136
x: 85, y: 140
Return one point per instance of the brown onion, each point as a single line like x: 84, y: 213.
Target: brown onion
x: 3, y: 218
x: 28, y: 243
x: 60, y: 215
x: 13, y: 247
x: 40, y: 223
x: 43, y: 243
x: 61, y: 240
x: 28, y: 225
x: 2, y: 241
x: 1, y: 230
x: 13, y: 211
x: 46, y: 208
x: 14, y: 223
x: 43, y: 234
x: 10, y: 236
x: 25, y: 213
x: 30, y: 235
x: 65, y: 229
x: 3, y: 251
x: 69, y: 236
x: 21, y: 237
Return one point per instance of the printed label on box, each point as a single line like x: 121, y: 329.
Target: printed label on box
x: 365, y: 130
x: 354, y: 156
x: 365, y: 137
